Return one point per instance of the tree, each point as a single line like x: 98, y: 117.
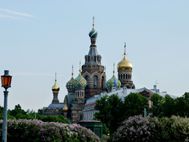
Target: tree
x: 110, y: 111
x: 134, y: 104
x: 182, y: 105
x: 17, y: 112
x: 157, y: 104
x: 168, y: 106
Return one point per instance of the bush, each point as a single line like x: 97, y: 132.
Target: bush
x: 173, y: 129
x: 134, y: 129
x: 39, y: 131
x: 139, y: 129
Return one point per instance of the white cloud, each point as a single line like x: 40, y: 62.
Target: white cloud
x: 12, y: 14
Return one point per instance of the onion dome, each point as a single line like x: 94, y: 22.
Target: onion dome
x: 113, y: 82
x: 70, y: 85
x: 124, y: 63
x: 93, y: 33
x: 80, y: 81
x: 55, y: 86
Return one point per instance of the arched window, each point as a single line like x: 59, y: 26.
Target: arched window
x: 95, y: 81
x: 123, y: 76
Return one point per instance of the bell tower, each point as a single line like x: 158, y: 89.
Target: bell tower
x: 92, y: 70
x: 125, y: 71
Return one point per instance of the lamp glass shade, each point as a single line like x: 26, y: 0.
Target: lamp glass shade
x: 6, y: 80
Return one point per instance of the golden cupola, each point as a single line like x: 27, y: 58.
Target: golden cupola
x: 124, y: 63
x: 55, y: 90
x: 55, y: 86
x: 125, y: 72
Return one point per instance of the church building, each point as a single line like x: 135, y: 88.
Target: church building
x: 90, y: 85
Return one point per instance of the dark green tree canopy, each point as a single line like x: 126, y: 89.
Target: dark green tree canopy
x: 112, y: 110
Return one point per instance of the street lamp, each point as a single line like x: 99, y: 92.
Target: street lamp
x: 6, y: 83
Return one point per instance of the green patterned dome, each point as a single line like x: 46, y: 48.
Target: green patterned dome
x: 80, y: 82
x: 113, y: 83
x: 93, y: 33
x: 71, y: 84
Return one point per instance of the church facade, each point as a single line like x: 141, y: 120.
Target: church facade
x: 91, y: 80
x: 91, y: 84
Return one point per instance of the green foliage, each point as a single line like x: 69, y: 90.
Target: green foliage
x: 109, y: 108
x: 38, y: 131
x: 168, y: 106
x: 134, y: 104
x: 112, y: 110
x: 182, y: 105
x: 52, y: 118
x: 19, y: 113
x: 157, y: 104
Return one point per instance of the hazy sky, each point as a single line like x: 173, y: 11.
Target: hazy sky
x: 41, y: 37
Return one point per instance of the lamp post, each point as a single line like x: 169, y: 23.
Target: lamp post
x: 6, y: 83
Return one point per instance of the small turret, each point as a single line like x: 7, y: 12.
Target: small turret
x: 93, y: 34
x: 55, y: 90
x: 125, y: 72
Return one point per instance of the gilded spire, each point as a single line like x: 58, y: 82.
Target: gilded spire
x: 55, y: 77
x: 124, y: 49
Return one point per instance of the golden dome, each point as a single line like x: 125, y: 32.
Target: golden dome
x: 124, y: 63
x: 55, y: 86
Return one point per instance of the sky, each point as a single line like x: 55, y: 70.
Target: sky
x: 39, y: 38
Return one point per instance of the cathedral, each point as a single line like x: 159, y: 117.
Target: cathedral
x: 90, y: 85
